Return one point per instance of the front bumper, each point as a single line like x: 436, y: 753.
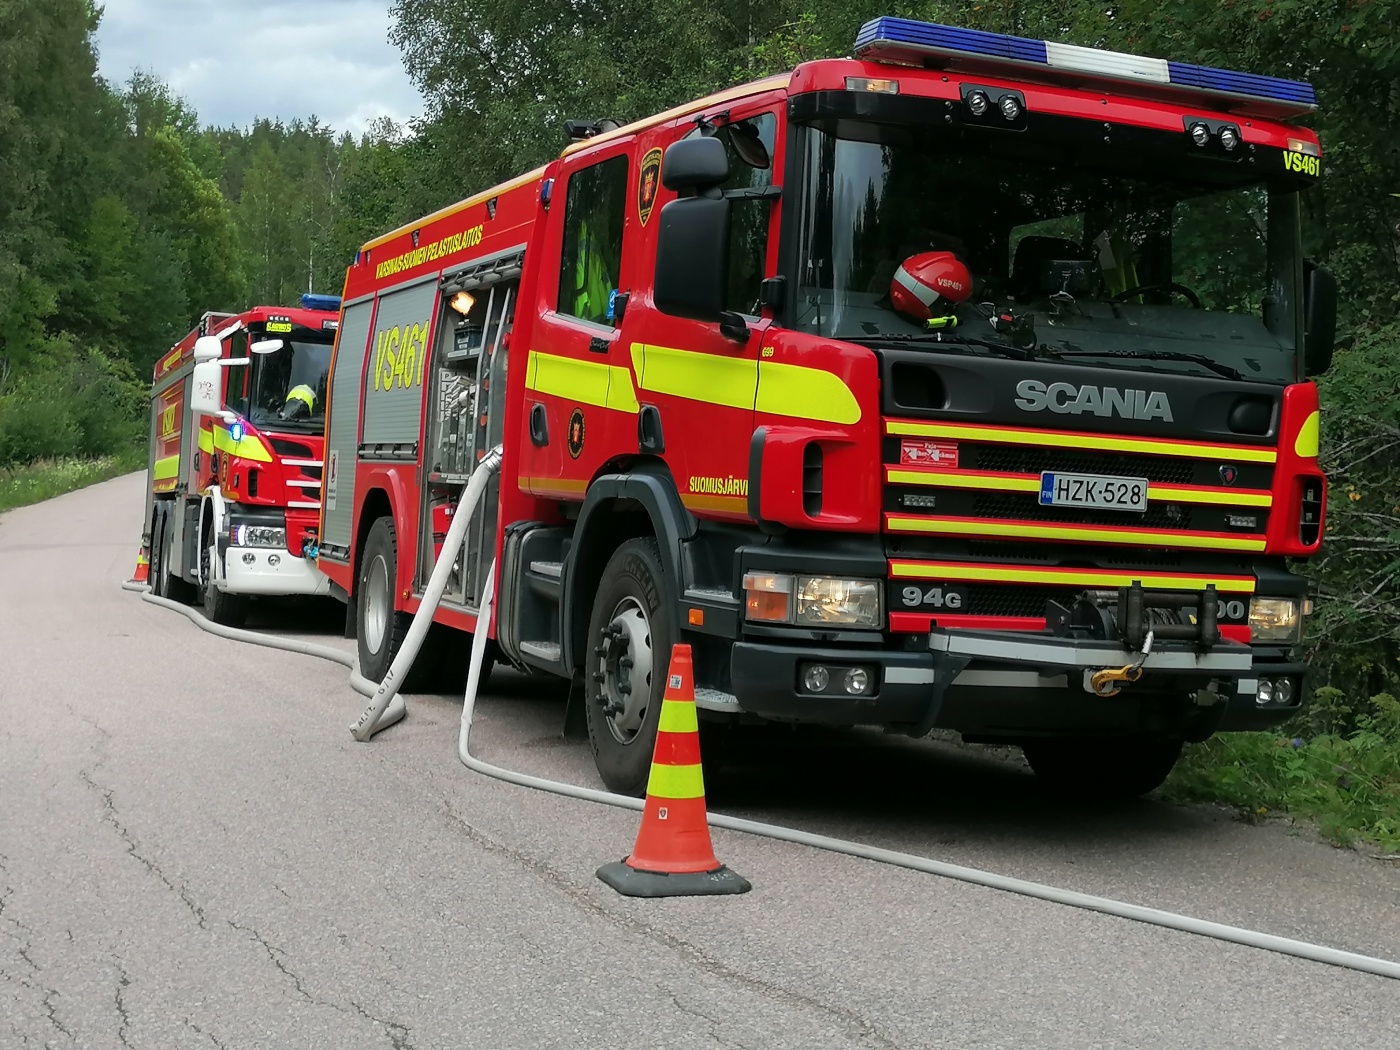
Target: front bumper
x: 251, y: 570
x: 1008, y: 683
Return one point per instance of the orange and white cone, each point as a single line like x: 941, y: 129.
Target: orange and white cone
x: 142, y: 572
x: 674, y: 856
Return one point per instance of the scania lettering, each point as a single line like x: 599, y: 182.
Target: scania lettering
x: 237, y: 437
x: 1068, y: 398
x: 959, y: 385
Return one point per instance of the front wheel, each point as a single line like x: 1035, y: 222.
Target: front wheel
x: 630, y: 635
x: 231, y: 610
x: 1102, y: 767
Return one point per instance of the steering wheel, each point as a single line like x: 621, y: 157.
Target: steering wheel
x: 1161, y: 286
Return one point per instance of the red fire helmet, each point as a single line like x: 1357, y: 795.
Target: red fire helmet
x: 930, y: 284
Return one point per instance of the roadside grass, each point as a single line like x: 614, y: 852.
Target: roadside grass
x: 1346, y: 783
x: 46, y: 478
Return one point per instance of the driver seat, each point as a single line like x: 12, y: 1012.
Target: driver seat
x: 1028, y: 267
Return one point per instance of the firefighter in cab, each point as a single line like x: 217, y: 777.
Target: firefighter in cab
x: 300, y: 404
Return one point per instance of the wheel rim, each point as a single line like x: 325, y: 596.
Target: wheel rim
x: 624, y: 670
x: 207, y: 581
x: 376, y: 598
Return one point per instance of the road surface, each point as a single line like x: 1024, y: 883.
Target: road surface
x: 194, y: 853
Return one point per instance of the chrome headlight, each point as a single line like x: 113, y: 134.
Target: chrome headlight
x: 813, y: 601
x: 1278, y: 620
x: 258, y: 536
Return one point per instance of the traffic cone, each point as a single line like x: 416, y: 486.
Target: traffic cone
x: 674, y: 856
x: 143, y: 567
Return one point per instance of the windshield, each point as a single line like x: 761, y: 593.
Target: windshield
x: 282, y: 383
x: 1100, y: 263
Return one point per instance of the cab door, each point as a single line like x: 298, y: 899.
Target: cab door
x: 580, y: 408
x: 696, y: 387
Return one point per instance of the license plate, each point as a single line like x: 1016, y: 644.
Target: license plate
x: 1093, y: 490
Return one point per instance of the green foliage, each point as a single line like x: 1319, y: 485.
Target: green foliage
x: 1348, y: 784
x: 81, y: 403
x: 35, y: 482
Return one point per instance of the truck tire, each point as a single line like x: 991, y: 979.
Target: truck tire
x: 1102, y: 767
x: 166, y: 584
x: 630, y: 634
x: 380, y: 628
x: 231, y: 610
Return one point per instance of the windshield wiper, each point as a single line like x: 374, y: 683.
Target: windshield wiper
x: 1149, y: 355
x: 1004, y: 349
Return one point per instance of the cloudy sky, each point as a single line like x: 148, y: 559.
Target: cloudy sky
x: 236, y: 60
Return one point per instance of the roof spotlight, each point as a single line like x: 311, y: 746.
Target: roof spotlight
x: 1200, y: 134
x: 978, y: 103
x: 1229, y: 137
x: 1010, y: 107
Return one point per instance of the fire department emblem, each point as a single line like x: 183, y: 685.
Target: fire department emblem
x: 649, y: 184
x: 576, y: 433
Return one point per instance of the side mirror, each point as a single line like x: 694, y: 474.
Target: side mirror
x: 267, y: 346
x: 1319, y: 318
x: 207, y: 387
x: 694, y: 164
x: 692, y: 257
x: 208, y: 348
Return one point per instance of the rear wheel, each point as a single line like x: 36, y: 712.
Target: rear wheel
x: 1102, y: 767
x: 630, y: 635
x: 381, y: 628
x: 231, y: 610
x: 166, y: 583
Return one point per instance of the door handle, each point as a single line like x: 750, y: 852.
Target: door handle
x: 539, y: 426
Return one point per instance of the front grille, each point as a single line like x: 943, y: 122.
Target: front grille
x: 1030, y: 459
x: 1010, y: 600
x: 1024, y: 506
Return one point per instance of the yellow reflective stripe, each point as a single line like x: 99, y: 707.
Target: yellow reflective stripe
x: 552, y: 486
x: 678, y: 716
x: 725, y: 504
x: 1070, y: 532
x: 166, y: 468
x: 675, y: 782
x: 248, y: 447
x: 1220, y: 497
x: 1096, y: 442
x: 585, y: 382
x: 805, y: 393
x: 304, y: 394
x: 206, y: 440
x: 1305, y: 444
x: 1080, y: 577
x: 731, y: 382
x: 939, y: 479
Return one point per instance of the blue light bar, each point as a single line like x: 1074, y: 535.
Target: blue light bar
x: 311, y: 301
x: 906, y: 41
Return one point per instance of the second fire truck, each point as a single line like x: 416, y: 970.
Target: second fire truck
x: 236, y: 444
x: 962, y: 384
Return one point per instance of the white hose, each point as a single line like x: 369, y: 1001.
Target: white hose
x: 990, y: 880
x: 375, y: 716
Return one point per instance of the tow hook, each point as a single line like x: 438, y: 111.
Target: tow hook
x: 1103, y: 681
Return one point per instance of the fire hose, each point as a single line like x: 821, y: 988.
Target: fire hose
x: 386, y: 707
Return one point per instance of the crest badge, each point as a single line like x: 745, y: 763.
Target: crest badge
x: 1228, y: 474
x: 648, y: 184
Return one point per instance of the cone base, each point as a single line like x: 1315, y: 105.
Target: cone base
x: 632, y: 882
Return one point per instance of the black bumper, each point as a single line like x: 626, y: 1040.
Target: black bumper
x: 1009, y: 684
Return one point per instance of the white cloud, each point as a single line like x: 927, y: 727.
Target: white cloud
x: 240, y: 60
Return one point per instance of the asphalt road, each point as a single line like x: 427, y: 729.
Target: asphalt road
x: 194, y: 853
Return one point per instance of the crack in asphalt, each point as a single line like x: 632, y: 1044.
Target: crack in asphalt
x: 109, y: 816
x: 25, y: 937
x: 123, y: 982
x: 695, y: 1011
x: 861, y: 1026
x: 398, y: 1033
x: 189, y: 1023
x: 276, y: 954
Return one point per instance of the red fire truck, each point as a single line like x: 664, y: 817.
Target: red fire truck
x: 236, y: 448
x: 962, y: 384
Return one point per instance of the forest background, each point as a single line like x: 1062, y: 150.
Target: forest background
x: 123, y: 218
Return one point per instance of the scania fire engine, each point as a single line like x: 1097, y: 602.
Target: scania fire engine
x: 236, y: 447
x: 961, y: 384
